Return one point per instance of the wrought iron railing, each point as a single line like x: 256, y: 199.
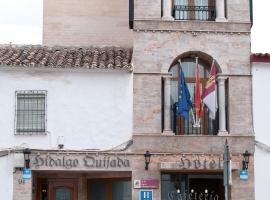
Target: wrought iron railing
x: 202, y: 13
x: 207, y: 126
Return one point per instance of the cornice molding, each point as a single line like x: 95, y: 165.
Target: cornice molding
x: 192, y: 27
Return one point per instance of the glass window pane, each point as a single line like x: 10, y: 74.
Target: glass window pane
x: 174, y: 71
x: 181, y: 186
x: 63, y: 194
x: 98, y: 191
x: 121, y: 190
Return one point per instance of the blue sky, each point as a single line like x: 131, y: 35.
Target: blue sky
x: 21, y: 23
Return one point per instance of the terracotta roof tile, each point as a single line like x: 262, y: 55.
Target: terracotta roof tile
x: 260, y: 57
x: 66, y: 57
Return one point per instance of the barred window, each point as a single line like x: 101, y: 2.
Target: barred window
x: 31, y: 111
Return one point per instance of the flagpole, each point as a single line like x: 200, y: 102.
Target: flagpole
x: 180, y: 63
x: 193, y: 118
x: 197, y: 123
x: 213, y: 62
x: 196, y: 87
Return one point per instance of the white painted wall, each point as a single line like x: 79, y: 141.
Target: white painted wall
x: 6, y: 177
x: 92, y: 110
x: 261, y: 110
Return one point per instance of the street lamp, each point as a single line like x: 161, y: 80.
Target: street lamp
x: 245, y: 161
x: 147, y: 157
x: 26, y: 154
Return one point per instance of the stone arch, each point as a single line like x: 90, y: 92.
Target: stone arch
x: 206, y: 58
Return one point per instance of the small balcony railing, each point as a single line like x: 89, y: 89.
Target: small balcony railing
x: 185, y: 127
x: 201, y: 13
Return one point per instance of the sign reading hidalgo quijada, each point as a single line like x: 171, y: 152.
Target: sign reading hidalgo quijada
x: 74, y: 161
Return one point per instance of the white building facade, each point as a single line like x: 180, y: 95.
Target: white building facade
x: 261, y: 108
x: 85, y: 109
x: 92, y: 122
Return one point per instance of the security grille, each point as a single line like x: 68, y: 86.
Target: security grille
x: 30, y: 111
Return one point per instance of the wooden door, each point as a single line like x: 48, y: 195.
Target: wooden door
x: 63, y: 189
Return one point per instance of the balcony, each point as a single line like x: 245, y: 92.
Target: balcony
x: 202, y: 13
x: 207, y: 126
x: 204, y: 10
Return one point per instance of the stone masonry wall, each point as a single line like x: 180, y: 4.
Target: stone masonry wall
x: 147, y: 9
x: 238, y: 10
x: 240, y: 105
x: 240, y: 190
x: 86, y: 23
x: 147, y: 104
x: 154, y: 52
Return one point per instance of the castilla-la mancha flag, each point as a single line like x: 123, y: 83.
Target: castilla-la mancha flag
x: 209, y: 95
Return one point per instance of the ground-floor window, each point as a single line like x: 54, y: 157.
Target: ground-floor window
x: 178, y: 186
x: 67, y: 188
x: 109, y: 189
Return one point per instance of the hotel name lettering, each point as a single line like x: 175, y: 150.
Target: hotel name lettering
x: 87, y: 161
x: 194, y: 162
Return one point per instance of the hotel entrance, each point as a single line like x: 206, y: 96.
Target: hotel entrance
x: 175, y: 186
x: 57, y: 189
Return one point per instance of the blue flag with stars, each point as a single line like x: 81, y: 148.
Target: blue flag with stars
x: 184, y: 103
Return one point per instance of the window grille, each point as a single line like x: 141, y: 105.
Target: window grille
x: 31, y: 111
x: 203, y: 10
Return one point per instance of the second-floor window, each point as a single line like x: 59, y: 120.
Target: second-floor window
x: 30, y: 111
x: 194, y: 10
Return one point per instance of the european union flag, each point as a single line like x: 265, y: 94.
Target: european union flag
x: 184, y: 103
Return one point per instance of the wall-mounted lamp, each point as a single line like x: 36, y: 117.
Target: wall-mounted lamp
x: 245, y: 162
x: 26, y: 154
x: 147, y: 157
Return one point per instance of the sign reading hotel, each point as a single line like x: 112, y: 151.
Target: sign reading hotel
x: 191, y: 162
x: 80, y: 162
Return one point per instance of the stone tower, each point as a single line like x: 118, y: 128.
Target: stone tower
x: 169, y: 32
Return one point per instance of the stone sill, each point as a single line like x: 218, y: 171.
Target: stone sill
x: 196, y: 26
x: 31, y: 133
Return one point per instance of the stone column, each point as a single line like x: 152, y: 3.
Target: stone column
x: 167, y: 10
x: 221, y: 105
x: 220, y: 11
x: 167, y: 105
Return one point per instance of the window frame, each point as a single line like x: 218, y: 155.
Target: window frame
x: 180, y: 121
x: 20, y: 131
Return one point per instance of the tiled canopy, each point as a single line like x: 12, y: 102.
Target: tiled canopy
x: 66, y: 57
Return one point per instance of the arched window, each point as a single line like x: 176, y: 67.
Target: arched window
x: 183, y: 126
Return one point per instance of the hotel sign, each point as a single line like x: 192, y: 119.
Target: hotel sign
x: 80, y: 162
x: 146, y: 183
x: 191, y: 162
